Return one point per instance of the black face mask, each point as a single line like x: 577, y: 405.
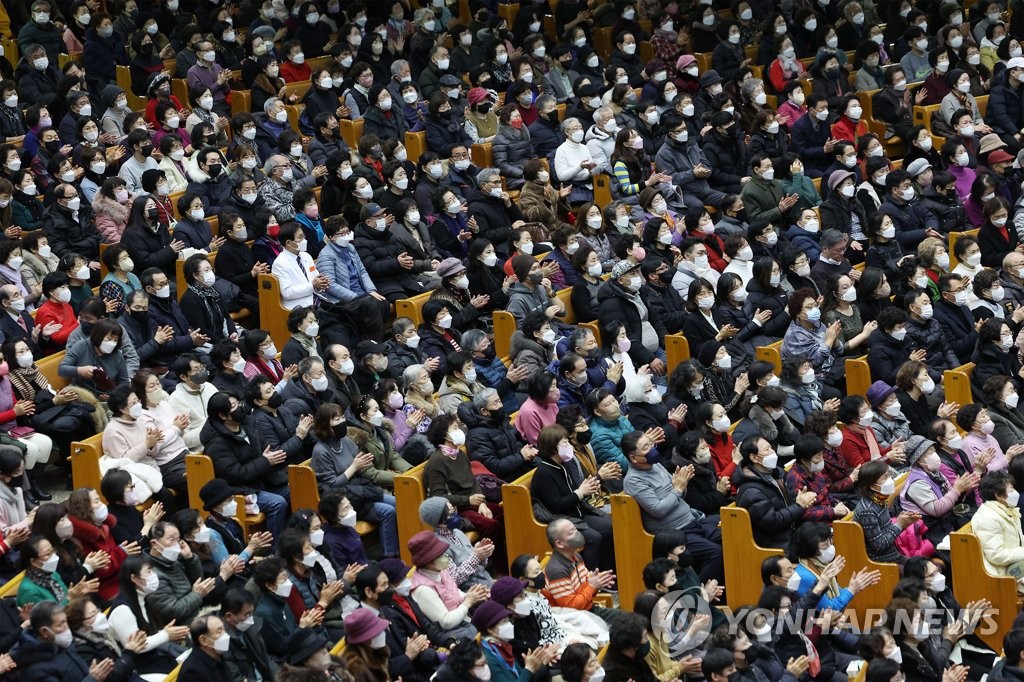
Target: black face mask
x: 53, y: 146
x: 239, y: 414
x: 484, y: 107
x: 666, y: 277
x: 147, y: 150
x: 199, y: 378
x: 146, y: 49
x: 152, y: 215
x: 386, y: 597
x: 275, y: 400
x: 499, y: 415
x: 214, y: 170
x: 340, y: 430
x: 140, y: 316
x: 17, y: 481
x: 537, y: 582
x: 86, y: 327
x: 583, y: 437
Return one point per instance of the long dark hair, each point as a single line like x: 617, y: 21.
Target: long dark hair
x: 132, y: 566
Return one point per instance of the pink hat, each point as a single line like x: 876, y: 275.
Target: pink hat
x: 362, y: 625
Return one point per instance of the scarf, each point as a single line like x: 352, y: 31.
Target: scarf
x: 26, y: 381
x: 815, y: 567
x: 503, y: 650
x: 210, y: 299
x: 307, y: 344
x: 48, y: 582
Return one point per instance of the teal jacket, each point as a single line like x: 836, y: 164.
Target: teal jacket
x: 500, y: 670
x: 33, y: 593
x: 605, y: 437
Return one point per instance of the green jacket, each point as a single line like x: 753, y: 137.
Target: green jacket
x: 33, y: 593
x: 174, y: 599
x: 500, y: 672
x: 762, y: 201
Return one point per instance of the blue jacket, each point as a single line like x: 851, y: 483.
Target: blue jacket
x: 809, y: 243
x: 333, y: 263
x: 606, y: 439
x: 809, y: 580
x: 546, y: 138
x: 195, y: 233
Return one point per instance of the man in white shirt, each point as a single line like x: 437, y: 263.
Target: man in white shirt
x: 296, y: 270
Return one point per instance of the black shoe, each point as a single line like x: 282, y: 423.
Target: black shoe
x: 30, y: 500
x: 41, y: 495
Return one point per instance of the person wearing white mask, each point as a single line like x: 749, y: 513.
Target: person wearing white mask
x: 814, y: 549
x: 928, y: 493
x: 296, y: 270
x: 997, y: 525
x: 601, y: 139
x: 960, y: 97
x: 210, y: 642
x: 777, y: 512
x: 785, y: 68
x: 247, y: 653
x: 142, y: 446
x: 767, y: 417
x: 806, y: 335
x: 574, y: 162
x: 996, y: 238
x: 214, y: 76
x: 954, y: 316
x: 764, y: 196
x: 875, y: 485
x: 69, y: 226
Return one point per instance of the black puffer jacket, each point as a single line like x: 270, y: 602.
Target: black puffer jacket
x: 492, y: 217
x: 150, y: 249
x: 614, y: 303
x: 929, y: 335
x: 239, y: 462
x: 949, y: 211
x: 702, y: 492
x: 726, y: 157
x: 494, y: 442
x: 391, y: 127
x: 443, y: 134
x: 66, y: 235
x: 95, y: 649
x: 887, y: 355
x: 775, y: 300
x: 511, y: 150
x: 773, y: 509
x: 379, y: 252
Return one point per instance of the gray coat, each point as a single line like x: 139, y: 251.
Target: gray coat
x: 661, y: 506
x: 522, y: 300
x: 83, y: 354
x: 511, y: 150
x: 678, y: 159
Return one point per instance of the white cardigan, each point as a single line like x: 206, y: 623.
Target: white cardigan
x: 568, y: 157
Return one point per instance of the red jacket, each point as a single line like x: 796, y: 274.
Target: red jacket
x: 61, y: 313
x: 846, y: 129
x: 721, y: 454
x: 92, y: 538
x: 854, y: 447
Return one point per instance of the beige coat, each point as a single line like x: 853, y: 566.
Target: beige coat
x: 1002, y: 542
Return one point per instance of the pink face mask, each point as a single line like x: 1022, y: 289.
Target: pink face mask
x: 312, y: 212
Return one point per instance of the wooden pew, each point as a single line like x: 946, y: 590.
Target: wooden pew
x: 482, y: 155
x: 848, y: 537
x: 124, y: 81
x: 173, y: 675
x: 415, y: 145
x: 241, y: 102
x: 858, y: 375
x: 633, y: 545
x: 352, y: 131
x: 957, y: 383
x: 273, y: 315
x: 504, y: 326
x: 306, y: 493
x: 412, y: 307
x: 523, y: 533
x: 602, y: 190
x: 410, y: 491
x: 10, y: 588
x: 743, y: 557
x: 771, y: 353
x: 677, y: 350
x: 339, y: 648
x: 198, y: 472
x: 48, y: 367
x: 972, y: 581
x: 85, y: 463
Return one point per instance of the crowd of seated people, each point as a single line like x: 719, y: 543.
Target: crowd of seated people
x: 493, y: 227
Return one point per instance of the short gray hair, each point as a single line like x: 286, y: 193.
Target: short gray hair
x: 273, y: 160
x: 486, y: 174
x: 603, y: 114
x: 397, y: 66
x: 270, y: 104
x: 412, y: 374
x: 470, y: 339
x: 481, y: 399
x: 545, y: 100
x: 831, y: 237
x: 420, y: 16
x: 569, y: 121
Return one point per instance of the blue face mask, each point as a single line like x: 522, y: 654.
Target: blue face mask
x: 454, y: 521
x: 653, y: 456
